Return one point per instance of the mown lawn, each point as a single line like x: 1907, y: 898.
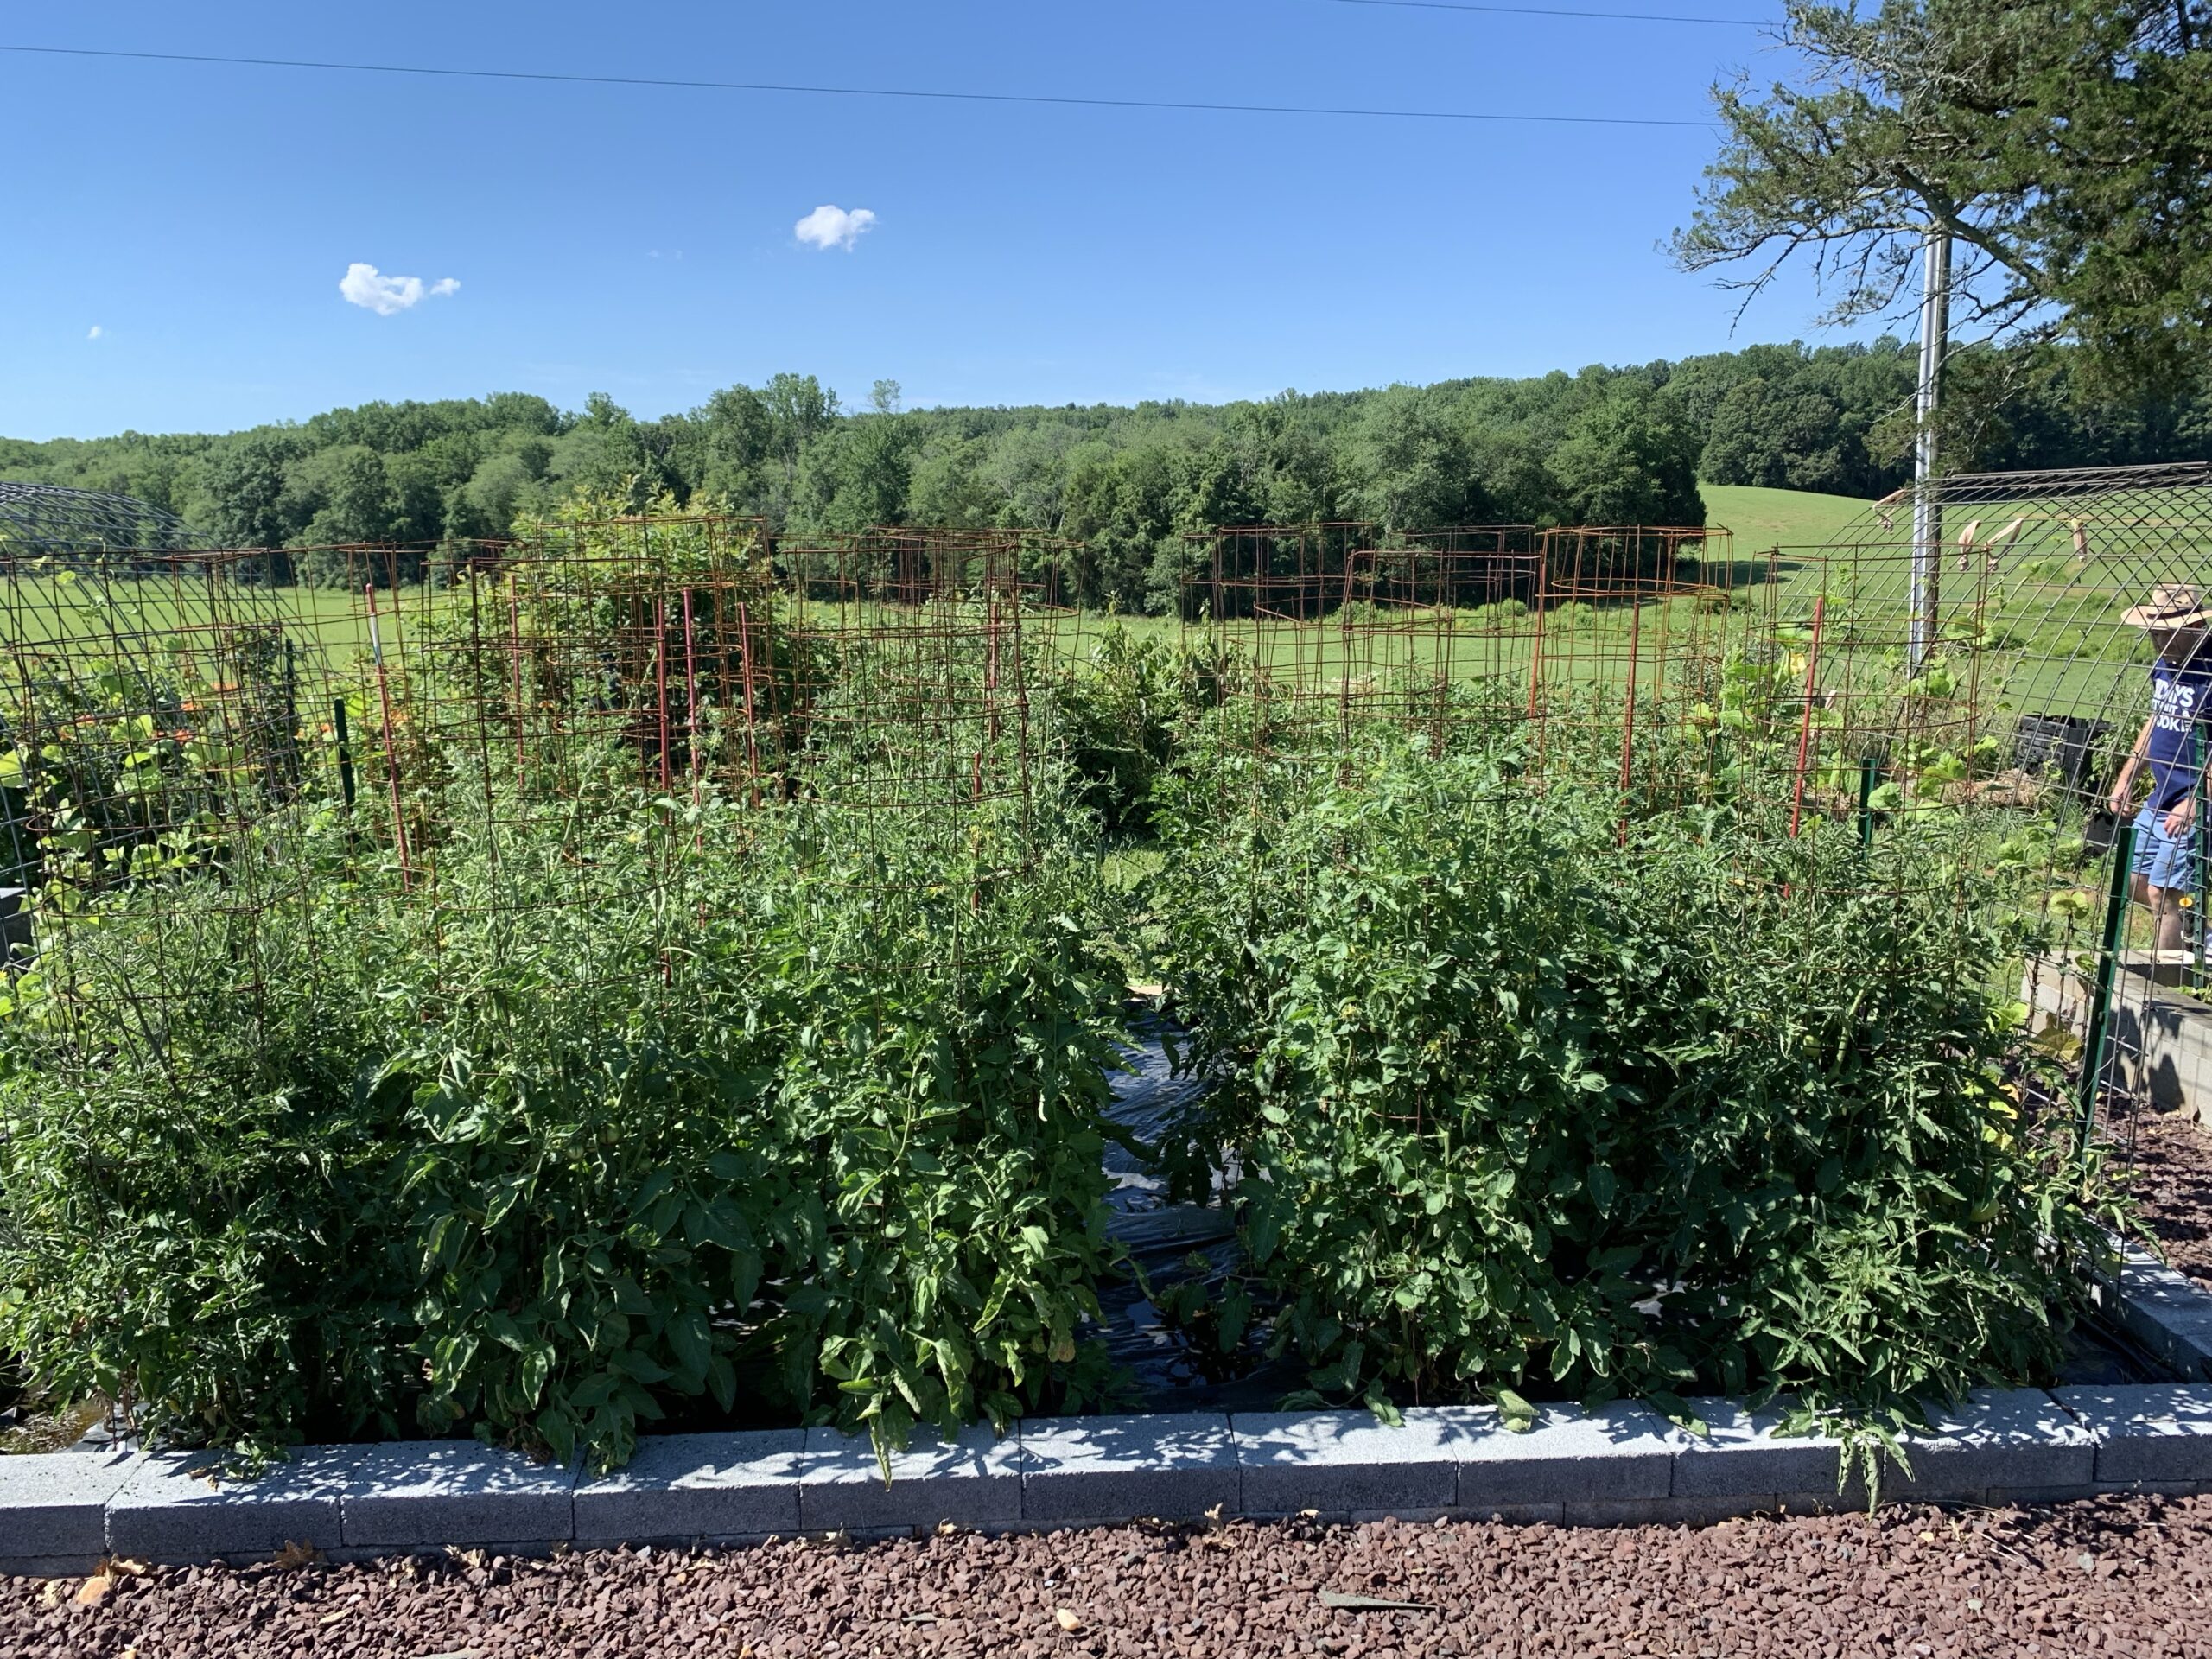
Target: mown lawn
x: 1763, y: 519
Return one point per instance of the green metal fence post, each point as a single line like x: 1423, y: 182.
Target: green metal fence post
x: 345, y: 749
x: 1866, y: 771
x: 2093, y: 1044
x: 2196, y: 911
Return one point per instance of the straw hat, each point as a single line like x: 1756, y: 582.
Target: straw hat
x: 2173, y: 605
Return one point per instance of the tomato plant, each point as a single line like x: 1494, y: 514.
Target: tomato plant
x: 1514, y: 1105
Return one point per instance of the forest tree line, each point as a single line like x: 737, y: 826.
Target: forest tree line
x: 1604, y: 446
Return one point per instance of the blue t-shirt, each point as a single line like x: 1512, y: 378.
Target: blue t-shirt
x: 2178, y: 700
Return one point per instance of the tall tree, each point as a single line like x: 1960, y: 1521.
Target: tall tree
x: 1626, y: 461
x: 730, y: 437
x: 2065, y: 144
x: 855, y: 478
x: 243, y: 484
x: 1784, y: 439
x: 799, y: 410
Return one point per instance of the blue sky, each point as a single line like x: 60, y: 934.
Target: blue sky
x: 641, y: 241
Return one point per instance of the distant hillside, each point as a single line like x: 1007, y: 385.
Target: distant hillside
x: 1775, y: 429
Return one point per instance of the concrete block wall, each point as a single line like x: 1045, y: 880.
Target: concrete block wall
x: 1622, y: 1464
x: 2160, y: 1037
x: 2163, y: 1310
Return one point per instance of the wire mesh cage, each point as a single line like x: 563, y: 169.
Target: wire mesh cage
x: 460, y: 725
x: 670, y: 915
x: 643, y: 892
x: 1477, y: 627
x: 52, y: 524
x: 1945, y: 693
x: 1992, y: 653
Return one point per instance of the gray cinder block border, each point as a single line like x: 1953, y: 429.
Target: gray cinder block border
x: 2146, y: 1438
x: 974, y: 1480
x: 684, y: 1486
x: 60, y: 1512
x: 1172, y: 1466
x: 54, y: 1509
x: 177, y: 1506
x: 2163, y: 1310
x: 1344, y: 1462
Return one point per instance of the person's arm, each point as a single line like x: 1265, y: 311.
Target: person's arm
x: 2123, y: 788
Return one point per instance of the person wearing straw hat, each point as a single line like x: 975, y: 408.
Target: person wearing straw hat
x: 2180, y: 689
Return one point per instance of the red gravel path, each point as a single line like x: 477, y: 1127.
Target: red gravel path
x: 2171, y: 1161
x: 2114, y: 1576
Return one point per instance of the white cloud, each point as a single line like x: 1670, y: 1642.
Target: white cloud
x: 370, y: 289
x: 833, y: 227
x: 93, y: 333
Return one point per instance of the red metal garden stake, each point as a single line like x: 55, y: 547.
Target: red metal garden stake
x: 691, y: 728
x: 660, y: 681
x: 391, y: 754
x: 690, y: 698
x: 1536, y: 654
x: 514, y: 660
x: 991, y: 664
x: 768, y: 666
x: 1628, y: 724
x: 1805, y: 726
x: 976, y: 797
x: 745, y: 665
x: 1536, y: 651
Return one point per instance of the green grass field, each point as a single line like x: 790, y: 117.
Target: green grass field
x: 1762, y: 519
x: 131, y: 612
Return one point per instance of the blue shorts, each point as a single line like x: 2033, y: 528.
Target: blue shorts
x: 2168, y: 862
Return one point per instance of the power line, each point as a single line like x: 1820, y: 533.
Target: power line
x: 855, y: 91
x: 1556, y: 11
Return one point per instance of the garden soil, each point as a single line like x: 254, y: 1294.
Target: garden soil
x: 2170, y: 1156
x: 2117, y: 1576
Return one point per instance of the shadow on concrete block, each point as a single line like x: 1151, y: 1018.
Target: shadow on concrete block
x: 1347, y: 1462
x: 2152, y: 1434
x: 178, y: 1506
x: 422, y: 1495
x: 971, y: 1480
x: 684, y: 1486
x: 1620, y: 1452
x: 1175, y: 1467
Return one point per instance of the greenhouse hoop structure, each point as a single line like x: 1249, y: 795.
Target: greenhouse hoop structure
x: 50, y: 521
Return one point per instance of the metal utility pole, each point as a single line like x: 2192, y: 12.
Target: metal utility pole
x: 1927, y: 510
